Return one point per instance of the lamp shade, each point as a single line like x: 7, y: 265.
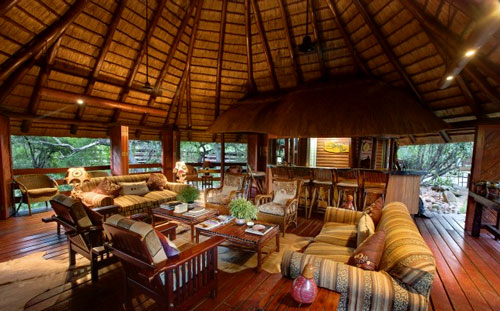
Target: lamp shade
x: 76, y: 175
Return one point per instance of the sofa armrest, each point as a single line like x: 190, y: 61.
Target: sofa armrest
x: 342, y: 215
x: 176, y: 187
x: 357, y: 287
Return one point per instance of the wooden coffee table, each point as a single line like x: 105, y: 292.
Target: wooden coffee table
x: 236, y: 235
x: 188, y: 220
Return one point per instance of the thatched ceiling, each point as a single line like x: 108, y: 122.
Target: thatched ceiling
x: 198, y: 57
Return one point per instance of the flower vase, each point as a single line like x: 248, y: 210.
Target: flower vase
x: 304, y: 289
x: 240, y: 221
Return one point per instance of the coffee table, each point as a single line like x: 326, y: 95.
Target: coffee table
x: 236, y: 235
x: 188, y: 220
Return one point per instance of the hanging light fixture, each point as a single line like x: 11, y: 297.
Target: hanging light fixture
x: 307, y: 45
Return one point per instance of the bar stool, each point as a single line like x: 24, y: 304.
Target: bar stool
x: 374, y: 183
x: 304, y: 174
x: 322, y: 182
x: 347, y: 180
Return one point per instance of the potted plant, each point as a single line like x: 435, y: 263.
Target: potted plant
x: 243, y: 210
x: 188, y: 195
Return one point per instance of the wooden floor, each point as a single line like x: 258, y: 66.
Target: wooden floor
x: 468, y: 271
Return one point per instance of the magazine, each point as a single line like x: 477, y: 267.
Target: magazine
x: 170, y: 205
x: 259, y: 229
x: 198, y: 211
x: 215, y: 222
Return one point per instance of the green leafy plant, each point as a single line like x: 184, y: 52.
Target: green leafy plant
x: 243, y: 209
x: 188, y: 195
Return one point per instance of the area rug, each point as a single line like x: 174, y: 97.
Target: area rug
x: 27, y: 278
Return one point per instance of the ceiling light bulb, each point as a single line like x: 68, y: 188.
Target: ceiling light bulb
x: 470, y: 53
x: 449, y: 78
x: 79, y: 101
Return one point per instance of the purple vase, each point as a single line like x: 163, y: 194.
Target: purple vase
x: 304, y: 289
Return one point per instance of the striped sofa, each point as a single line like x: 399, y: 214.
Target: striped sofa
x: 406, y: 271
x: 129, y: 204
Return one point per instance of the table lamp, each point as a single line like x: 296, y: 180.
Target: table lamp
x: 180, y: 171
x: 76, y: 176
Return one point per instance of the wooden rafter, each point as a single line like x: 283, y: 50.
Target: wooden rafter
x: 6, y: 5
x: 17, y: 76
x: 220, y: 52
x: 188, y: 103
x: 248, y: 33
x: 387, y: 48
x: 102, y: 54
x: 265, y: 44
x: 444, y: 135
x: 481, y: 82
x: 469, y: 97
x: 41, y: 81
x: 43, y: 40
x: 319, y: 49
x: 347, y: 39
x: 291, y: 48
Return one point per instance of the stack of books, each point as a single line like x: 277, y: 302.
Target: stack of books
x: 215, y: 222
x: 259, y: 229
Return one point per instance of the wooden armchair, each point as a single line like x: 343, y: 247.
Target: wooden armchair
x: 280, y: 207
x: 219, y: 198
x: 175, y: 283
x: 36, y: 188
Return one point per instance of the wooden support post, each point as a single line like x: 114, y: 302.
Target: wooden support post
x: 287, y: 150
x: 119, y: 150
x: 302, y: 152
x: 252, y: 150
x: 170, y: 140
x: 391, y: 153
x: 5, y: 169
x: 222, y: 158
x: 262, y: 160
x: 373, y: 164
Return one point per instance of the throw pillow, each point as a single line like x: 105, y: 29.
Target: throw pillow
x: 157, y: 182
x: 281, y: 197
x: 368, y: 255
x: 134, y: 188
x: 375, y: 210
x: 226, y: 190
x: 170, y: 249
x: 107, y: 187
x: 366, y: 228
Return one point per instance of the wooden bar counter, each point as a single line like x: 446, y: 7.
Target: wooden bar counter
x: 404, y: 186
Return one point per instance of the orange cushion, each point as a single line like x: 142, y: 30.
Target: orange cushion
x: 375, y: 210
x: 368, y: 255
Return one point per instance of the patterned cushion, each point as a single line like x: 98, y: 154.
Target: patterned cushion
x: 134, y: 188
x: 335, y: 214
x: 272, y: 208
x: 76, y: 210
x: 108, y: 187
x: 338, y: 234
x: 281, y: 197
x: 218, y: 198
x: 93, y: 199
x: 169, y: 247
x: 146, y: 231
x: 367, y: 256
x: 157, y: 182
x: 375, y: 210
x: 330, y: 251
x: 366, y: 227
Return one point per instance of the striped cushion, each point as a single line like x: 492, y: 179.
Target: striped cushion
x: 329, y: 251
x: 161, y: 196
x: 129, y: 202
x: 342, y: 215
x: 92, y: 184
x: 146, y: 231
x: 93, y: 199
x: 366, y: 227
x: 338, y: 234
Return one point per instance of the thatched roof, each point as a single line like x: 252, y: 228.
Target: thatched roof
x: 198, y: 58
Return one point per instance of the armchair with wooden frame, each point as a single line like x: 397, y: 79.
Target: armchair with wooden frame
x: 36, y: 188
x: 219, y: 198
x: 280, y: 207
x: 175, y: 283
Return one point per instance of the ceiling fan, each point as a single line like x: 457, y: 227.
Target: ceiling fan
x: 307, y: 46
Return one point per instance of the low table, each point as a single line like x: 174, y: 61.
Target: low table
x: 236, y: 235
x: 188, y: 220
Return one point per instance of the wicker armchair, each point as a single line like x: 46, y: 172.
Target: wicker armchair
x: 36, y: 188
x: 219, y: 198
x: 280, y: 207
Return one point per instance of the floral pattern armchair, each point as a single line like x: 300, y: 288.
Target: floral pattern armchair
x: 280, y: 207
x: 234, y: 185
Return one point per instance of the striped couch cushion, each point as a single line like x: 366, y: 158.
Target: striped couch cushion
x: 161, y: 196
x: 92, y: 184
x: 342, y: 215
x: 338, y: 234
x: 330, y: 251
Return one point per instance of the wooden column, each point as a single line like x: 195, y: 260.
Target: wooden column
x: 222, y: 158
x: 287, y: 156
x: 485, y: 166
x: 171, y: 144
x: 119, y: 149
x: 302, y: 152
x: 5, y: 169
x: 391, y: 153
x: 373, y: 164
x: 252, y: 150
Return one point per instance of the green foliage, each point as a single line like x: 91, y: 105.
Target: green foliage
x: 436, y: 159
x: 198, y: 152
x: 144, y: 151
x: 188, y: 194
x: 243, y: 209
x: 52, y: 152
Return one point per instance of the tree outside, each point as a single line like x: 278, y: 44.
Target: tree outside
x: 198, y: 152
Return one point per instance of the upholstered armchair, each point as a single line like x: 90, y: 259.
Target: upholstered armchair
x: 219, y: 198
x: 36, y: 188
x: 280, y: 207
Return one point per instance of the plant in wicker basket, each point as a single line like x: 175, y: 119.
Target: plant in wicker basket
x: 243, y: 210
x: 188, y: 195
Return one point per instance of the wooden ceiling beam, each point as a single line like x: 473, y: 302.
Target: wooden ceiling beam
x: 117, y: 14
x: 319, y: 49
x: 481, y: 82
x: 469, y: 97
x: 6, y: 5
x: 251, y: 87
x: 220, y: 52
x: 41, y: 81
x: 291, y: 47
x: 17, y: 76
x: 444, y: 135
x: 43, y: 40
x: 347, y: 39
x: 265, y: 44
x: 188, y: 103
x: 412, y: 138
x: 387, y: 48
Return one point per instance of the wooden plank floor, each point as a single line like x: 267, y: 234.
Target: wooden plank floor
x: 468, y: 271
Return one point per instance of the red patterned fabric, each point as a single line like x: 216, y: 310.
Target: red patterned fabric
x: 375, y: 210
x: 107, y: 187
x: 157, y: 182
x: 368, y: 255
